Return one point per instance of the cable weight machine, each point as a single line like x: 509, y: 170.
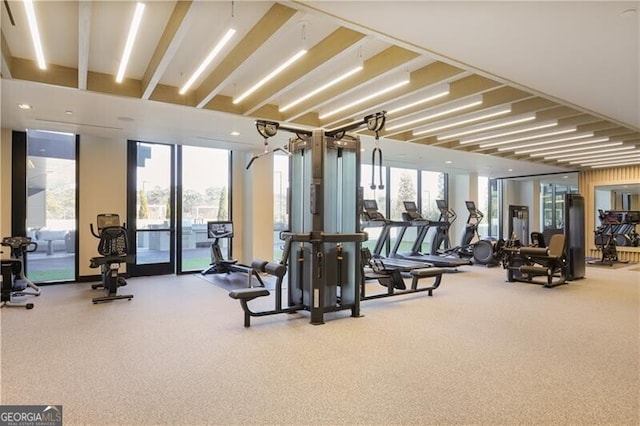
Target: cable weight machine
x: 324, y: 221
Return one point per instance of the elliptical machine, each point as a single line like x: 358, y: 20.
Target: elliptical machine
x: 482, y: 251
x: 14, y: 280
x: 467, y: 244
x: 113, y: 248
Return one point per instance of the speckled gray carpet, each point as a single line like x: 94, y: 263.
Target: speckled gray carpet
x: 480, y: 351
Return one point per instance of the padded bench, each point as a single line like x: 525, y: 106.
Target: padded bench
x: 418, y: 274
x: 246, y: 294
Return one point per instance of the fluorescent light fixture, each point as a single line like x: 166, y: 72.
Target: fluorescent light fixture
x: 35, y: 34
x: 365, y: 98
x: 235, y: 133
x: 437, y: 93
x: 440, y: 111
x: 635, y: 157
x: 495, y: 135
x: 585, y: 148
x: 562, y: 157
x: 322, y: 88
x: 564, y: 145
x: 218, y: 47
x: 525, y: 138
x: 574, y: 160
x: 564, y: 153
x: 547, y: 142
x: 630, y: 163
x: 466, y: 119
x: 286, y: 64
x: 133, y: 30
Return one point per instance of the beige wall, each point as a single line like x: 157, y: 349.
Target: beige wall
x: 256, y: 212
x: 102, y: 189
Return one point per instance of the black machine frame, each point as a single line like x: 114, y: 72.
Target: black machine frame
x: 113, y: 250
x: 525, y: 263
x: 14, y: 282
x: 324, y: 238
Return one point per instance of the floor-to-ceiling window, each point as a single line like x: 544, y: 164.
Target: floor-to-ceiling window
x: 432, y: 188
x: 399, y: 184
x: 483, y: 205
x: 494, y: 208
x: 205, y: 197
x: 552, y: 204
x: 403, y: 186
x: 152, y: 220
x: 280, y: 201
x: 174, y: 184
x: 377, y: 193
x: 51, y: 205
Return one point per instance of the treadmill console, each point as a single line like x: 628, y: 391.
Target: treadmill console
x: 471, y: 206
x: 411, y: 212
x: 371, y: 212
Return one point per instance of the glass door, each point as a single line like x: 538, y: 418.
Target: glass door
x: 204, y: 197
x: 150, y: 212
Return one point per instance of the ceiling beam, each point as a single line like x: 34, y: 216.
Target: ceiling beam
x: 105, y: 83
x: 430, y: 75
x: 459, y: 89
x: 565, y: 117
x: 7, y: 59
x: 58, y: 75
x: 266, y: 27
x: 518, y: 107
x: 172, y: 36
x: 385, y: 61
x: 84, y: 40
x: 331, y: 46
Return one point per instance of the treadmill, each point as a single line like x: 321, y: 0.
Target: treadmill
x: 371, y: 217
x: 414, y: 218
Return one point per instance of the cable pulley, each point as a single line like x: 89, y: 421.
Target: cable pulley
x: 267, y: 129
x: 375, y: 122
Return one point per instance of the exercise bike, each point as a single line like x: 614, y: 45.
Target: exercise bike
x: 113, y: 248
x: 14, y: 281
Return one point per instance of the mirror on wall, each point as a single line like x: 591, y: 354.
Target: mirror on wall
x: 542, y: 194
x: 617, y: 197
x: 617, y: 207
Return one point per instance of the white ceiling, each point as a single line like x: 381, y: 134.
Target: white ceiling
x: 583, y: 55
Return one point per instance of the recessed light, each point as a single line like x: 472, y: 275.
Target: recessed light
x: 510, y: 170
x: 68, y: 112
x: 234, y: 133
x: 565, y: 177
x: 448, y: 162
x: 24, y: 106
